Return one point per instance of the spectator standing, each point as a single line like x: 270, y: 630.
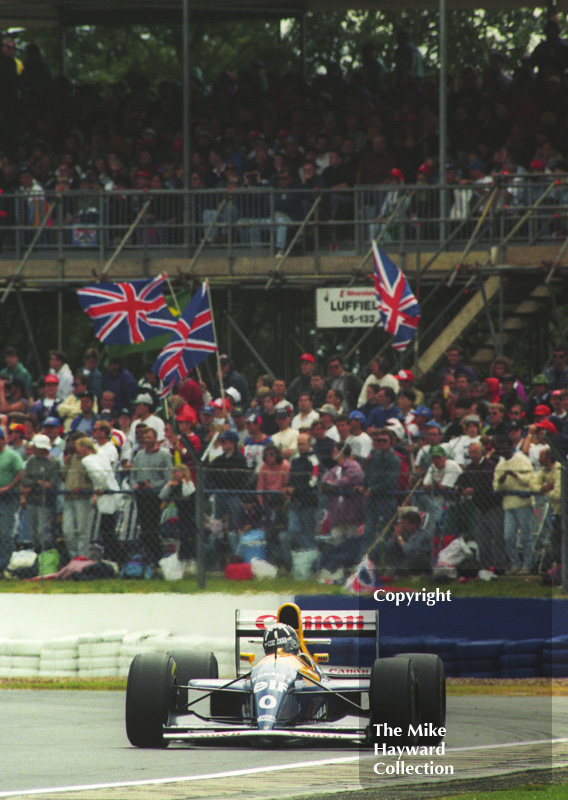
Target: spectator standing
x: 287, y: 437
x: 13, y: 397
x: 17, y: 439
x: 513, y: 479
x: 439, y: 483
x: 557, y: 374
x: 539, y: 396
x: 322, y: 445
x: 87, y: 418
x: 39, y: 485
x: 105, y: 498
x: 306, y: 414
x: 70, y: 408
x: 231, y: 377
x: 381, y: 480
x: 58, y: 366
x: 151, y: 469
x: 255, y: 442
x: 77, y: 509
x: 408, y: 58
x: 180, y: 490
x: 343, y: 486
x: 15, y: 369
x: 318, y: 388
x: 191, y: 392
x: 548, y: 484
x: 11, y: 470
x: 476, y: 483
x: 347, y: 383
x: 273, y: 473
x: 92, y: 372
x: 302, y: 383
x: 455, y: 365
x: 301, y: 489
x: 143, y: 414
x: 102, y: 435
x: 384, y: 410
x: 121, y: 383
x: 359, y: 441
x: 229, y: 473
x: 378, y: 374
x: 47, y: 405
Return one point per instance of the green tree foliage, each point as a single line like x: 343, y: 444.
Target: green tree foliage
x: 108, y: 54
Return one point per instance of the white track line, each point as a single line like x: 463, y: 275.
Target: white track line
x: 253, y: 771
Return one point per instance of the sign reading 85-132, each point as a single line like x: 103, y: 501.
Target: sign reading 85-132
x: 346, y: 307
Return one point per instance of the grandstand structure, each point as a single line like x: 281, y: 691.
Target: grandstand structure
x: 503, y: 270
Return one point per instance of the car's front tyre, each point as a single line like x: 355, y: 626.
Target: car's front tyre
x: 150, y: 696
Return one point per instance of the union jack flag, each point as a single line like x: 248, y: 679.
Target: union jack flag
x: 398, y: 308
x: 193, y: 340
x: 127, y: 313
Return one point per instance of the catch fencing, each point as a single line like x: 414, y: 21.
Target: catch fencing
x: 212, y: 517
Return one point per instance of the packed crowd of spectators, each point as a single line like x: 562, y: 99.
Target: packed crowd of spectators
x: 322, y: 471
x: 373, y: 127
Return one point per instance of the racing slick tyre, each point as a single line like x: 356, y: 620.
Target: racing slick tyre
x: 190, y: 666
x: 393, y: 701
x: 150, y: 693
x: 431, y: 677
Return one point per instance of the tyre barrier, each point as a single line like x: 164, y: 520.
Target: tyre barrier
x: 101, y: 655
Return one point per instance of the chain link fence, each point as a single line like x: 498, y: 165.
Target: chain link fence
x: 300, y: 518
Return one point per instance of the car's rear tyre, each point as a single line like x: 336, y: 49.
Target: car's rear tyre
x: 150, y: 693
x: 393, y: 701
x: 190, y: 666
x: 431, y: 677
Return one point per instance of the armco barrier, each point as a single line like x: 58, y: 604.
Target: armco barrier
x: 475, y: 637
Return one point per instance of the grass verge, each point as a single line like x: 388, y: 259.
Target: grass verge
x: 503, y: 587
x: 535, y: 791
x: 535, y: 687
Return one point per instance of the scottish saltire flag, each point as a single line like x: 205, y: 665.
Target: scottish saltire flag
x: 398, y: 308
x: 127, y: 313
x: 193, y: 340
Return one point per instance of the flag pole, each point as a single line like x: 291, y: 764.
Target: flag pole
x: 178, y: 309
x: 222, y: 388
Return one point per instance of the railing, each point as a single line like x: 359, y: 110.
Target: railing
x: 265, y: 221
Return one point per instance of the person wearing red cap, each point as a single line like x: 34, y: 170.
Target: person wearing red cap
x: 46, y: 406
x: 302, y: 383
x: 535, y: 440
x: 406, y: 381
x: 187, y: 441
x: 17, y: 439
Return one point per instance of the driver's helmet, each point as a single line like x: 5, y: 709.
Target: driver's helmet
x: 281, y: 637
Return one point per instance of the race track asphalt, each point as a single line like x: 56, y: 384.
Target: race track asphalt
x: 63, y: 744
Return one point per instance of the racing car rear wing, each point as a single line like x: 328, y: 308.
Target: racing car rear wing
x: 313, y: 627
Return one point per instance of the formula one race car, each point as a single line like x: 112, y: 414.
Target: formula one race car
x: 287, y: 694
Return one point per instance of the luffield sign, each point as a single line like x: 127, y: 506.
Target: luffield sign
x: 346, y: 308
